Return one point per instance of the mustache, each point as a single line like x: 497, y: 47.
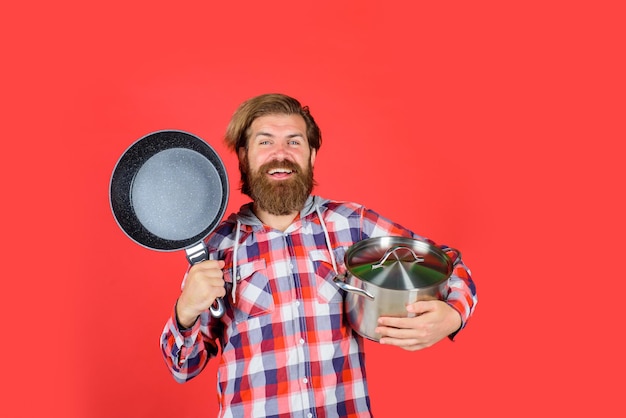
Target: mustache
x: 289, y: 165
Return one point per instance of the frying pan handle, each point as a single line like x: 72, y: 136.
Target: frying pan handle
x: 197, y: 254
x: 217, y: 309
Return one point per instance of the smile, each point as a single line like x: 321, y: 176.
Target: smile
x: 279, y: 171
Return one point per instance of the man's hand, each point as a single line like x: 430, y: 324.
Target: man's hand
x: 435, y: 320
x: 204, y: 284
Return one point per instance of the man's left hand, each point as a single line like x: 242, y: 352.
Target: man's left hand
x: 434, y: 321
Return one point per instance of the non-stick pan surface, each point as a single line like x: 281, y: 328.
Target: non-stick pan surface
x: 169, y: 190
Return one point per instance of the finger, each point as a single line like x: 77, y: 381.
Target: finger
x: 395, y: 322
x: 391, y: 332
x: 421, y: 306
x: 219, y: 291
x: 414, y: 347
x: 404, y: 328
x: 206, y: 273
x: 402, y: 339
x: 209, y: 265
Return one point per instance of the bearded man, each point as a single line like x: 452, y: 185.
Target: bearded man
x: 286, y: 346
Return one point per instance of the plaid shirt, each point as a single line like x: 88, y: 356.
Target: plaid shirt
x: 287, y: 350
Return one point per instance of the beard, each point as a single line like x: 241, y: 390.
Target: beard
x: 278, y: 197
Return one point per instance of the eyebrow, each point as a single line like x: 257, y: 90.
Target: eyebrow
x: 294, y: 135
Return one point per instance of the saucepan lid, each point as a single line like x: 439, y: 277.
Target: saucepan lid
x: 400, y: 263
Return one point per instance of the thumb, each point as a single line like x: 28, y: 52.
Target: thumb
x: 420, y: 307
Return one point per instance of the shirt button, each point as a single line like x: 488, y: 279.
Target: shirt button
x: 301, y: 341
x: 305, y: 380
x: 297, y: 303
x: 309, y: 415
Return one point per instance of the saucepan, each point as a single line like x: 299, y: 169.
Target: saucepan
x: 385, y: 274
x: 168, y: 191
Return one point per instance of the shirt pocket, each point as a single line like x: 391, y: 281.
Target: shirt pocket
x: 253, y: 293
x: 327, y: 290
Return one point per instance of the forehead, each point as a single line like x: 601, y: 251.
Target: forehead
x: 278, y: 123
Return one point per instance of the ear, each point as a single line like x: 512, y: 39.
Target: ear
x: 313, y: 154
x: 241, y: 154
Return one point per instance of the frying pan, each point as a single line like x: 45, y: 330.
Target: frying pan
x: 168, y: 191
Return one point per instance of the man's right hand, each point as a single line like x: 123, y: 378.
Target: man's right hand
x: 204, y: 284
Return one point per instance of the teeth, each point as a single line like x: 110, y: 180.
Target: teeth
x: 279, y: 170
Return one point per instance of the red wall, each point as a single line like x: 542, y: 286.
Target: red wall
x: 490, y: 126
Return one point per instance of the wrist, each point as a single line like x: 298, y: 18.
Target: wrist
x: 184, y: 320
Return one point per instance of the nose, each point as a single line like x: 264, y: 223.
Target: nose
x: 280, y: 151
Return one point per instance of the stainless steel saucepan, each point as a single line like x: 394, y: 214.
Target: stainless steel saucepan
x: 385, y: 274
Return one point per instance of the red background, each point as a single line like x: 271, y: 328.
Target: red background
x: 495, y: 127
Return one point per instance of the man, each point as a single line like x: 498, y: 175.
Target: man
x: 286, y: 348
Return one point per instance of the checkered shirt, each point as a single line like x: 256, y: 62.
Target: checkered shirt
x: 286, y: 347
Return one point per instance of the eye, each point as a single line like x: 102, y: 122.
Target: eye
x: 296, y: 140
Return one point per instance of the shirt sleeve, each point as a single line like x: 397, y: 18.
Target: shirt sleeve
x: 187, y: 351
x: 462, y: 294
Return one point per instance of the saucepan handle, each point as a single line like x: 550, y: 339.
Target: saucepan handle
x: 456, y: 252
x: 197, y: 254
x: 349, y: 288
x: 393, y: 250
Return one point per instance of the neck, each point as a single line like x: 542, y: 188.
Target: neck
x: 279, y: 222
